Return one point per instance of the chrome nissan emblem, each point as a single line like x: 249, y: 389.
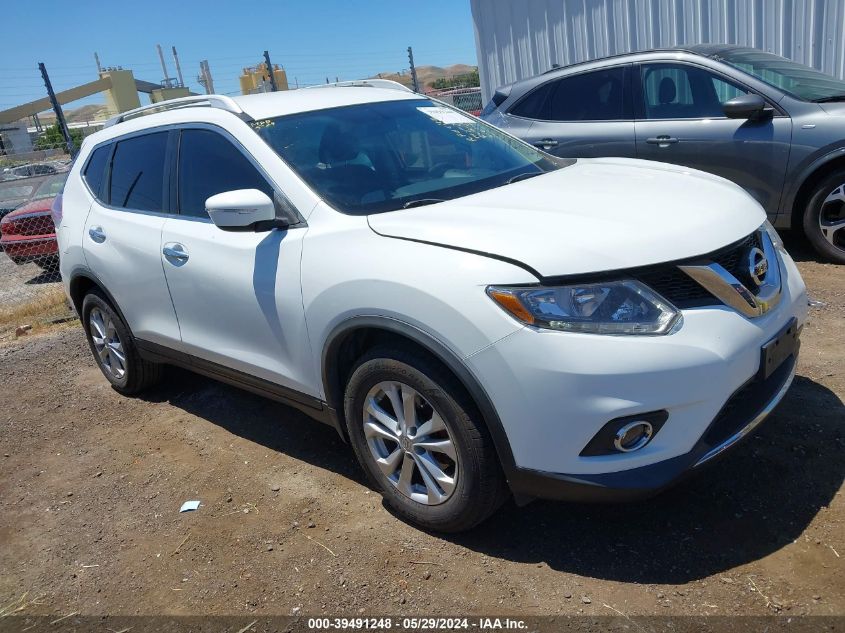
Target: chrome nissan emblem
x: 758, y: 266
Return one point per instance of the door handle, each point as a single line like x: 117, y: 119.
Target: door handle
x: 662, y: 141
x: 175, y: 253
x: 96, y: 234
x: 546, y: 143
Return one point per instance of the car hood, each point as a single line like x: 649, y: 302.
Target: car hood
x: 595, y: 215
x: 36, y: 206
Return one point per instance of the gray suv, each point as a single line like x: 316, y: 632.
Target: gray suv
x: 775, y: 127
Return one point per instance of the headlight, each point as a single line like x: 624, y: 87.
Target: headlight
x: 773, y: 235
x: 613, y: 307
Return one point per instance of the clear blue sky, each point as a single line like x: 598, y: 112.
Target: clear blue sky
x: 312, y: 39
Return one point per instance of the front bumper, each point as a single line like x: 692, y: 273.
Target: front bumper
x: 554, y: 391
x: 25, y: 248
x: 747, y: 408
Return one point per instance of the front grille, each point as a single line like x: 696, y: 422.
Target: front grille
x: 34, y: 224
x: 682, y: 290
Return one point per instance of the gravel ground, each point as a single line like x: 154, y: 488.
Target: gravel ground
x: 91, y: 484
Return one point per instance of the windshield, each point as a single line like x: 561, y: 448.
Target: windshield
x: 795, y: 79
x: 378, y: 157
x: 51, y: 187
x: 15, y: 192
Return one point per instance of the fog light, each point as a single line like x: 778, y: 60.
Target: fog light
x: 633, y: 436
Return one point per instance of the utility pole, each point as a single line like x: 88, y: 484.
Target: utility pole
x: 178, y: 67
x: 60, y: 116
x: 270, y: 71
x: 97, y: 59
x: 413, y: 70
x: 167, y: 82
x: 205, y: 77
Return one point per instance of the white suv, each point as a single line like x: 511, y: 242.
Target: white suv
x: 474, y: 316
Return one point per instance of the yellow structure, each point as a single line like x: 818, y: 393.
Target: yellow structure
x: 123, y: 93
x: 254, y: 78
x: 163, y: 94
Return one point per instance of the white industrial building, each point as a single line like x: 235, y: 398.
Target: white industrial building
x: 520, y: 38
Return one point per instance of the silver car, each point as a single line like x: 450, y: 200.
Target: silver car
x: 775, y: 127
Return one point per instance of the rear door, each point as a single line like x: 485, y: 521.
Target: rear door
x: 237, y: 294
x: 680, y: 120
x: 122, y: 235
x: 579, y: 116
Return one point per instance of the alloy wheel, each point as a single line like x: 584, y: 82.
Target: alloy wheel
x: 832, y: 217
x: 107, y: 343
x: 410, y: 443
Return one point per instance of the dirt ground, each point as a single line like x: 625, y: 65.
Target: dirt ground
x: 92, y: 482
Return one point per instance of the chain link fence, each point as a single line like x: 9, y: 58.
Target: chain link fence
x: 31, y: 176
x: 467, y: 99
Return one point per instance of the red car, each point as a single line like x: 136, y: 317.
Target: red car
x: 28, y: 234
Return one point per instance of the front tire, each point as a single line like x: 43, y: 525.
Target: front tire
x: 114, y: 348
x: 420, y: 440
x: 824, y: 218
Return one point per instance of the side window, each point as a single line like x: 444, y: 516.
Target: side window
x: 726, y: 91
x: 96, y: 168
x: 674, y: 91
x: 593, y: 96
x: 535, y: 105
x: 137, y: 173
x: 210, y: 164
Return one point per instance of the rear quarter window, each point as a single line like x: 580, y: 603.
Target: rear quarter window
x: 95, y: 170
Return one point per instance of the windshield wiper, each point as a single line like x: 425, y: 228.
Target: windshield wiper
x: 421, y: 202
x: 830, y: 99
x: 523, y: 176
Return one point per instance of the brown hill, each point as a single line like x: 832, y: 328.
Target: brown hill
x: 427, y: 75
x: 91, y: 112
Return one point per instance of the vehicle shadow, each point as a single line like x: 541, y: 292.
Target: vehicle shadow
x: 756, y: 500
x: 44, y: 277
x: 259, y: 420
x: 798, y: 246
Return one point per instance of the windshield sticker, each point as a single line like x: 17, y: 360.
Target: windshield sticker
x: 445, y: 115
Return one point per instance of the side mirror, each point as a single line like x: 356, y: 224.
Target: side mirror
x: 241, y: 209
x: 752, y: 107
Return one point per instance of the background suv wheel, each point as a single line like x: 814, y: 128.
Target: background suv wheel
x: 419, y: 439
x: 824, y: 218
x: 113, y: 347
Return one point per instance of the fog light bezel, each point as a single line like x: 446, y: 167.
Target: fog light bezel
x: 645, y: 438
x: 604, y: 442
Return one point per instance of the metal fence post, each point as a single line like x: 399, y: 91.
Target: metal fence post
x: 270, y: 71
x: 57, y: 108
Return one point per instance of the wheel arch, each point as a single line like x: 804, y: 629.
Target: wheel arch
x: 82, y: 281
x: 810, y: 178
x: 353, y: 337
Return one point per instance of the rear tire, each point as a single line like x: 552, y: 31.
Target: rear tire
x: 455, y: 480
x: 114, y: 348
x: 824, y: 218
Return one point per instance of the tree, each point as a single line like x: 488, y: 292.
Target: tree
x: 470, y: 80
x: 52, y: 138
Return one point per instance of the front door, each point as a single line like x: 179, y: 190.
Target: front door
x: 681, y: 121
x: 237, y: 294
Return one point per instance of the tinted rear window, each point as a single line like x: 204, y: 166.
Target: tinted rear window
x: 96, y: 169
x: 137, y: 173
x: 599, y: 95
